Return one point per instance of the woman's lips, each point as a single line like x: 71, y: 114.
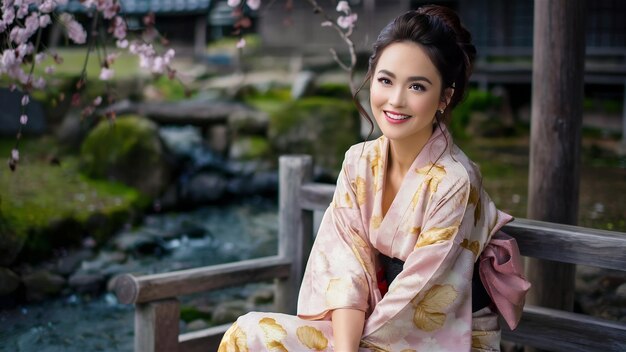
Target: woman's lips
x: 394, y: 117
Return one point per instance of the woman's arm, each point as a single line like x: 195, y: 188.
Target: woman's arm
x: 347, y: 329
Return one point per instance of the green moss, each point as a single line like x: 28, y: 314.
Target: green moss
x: 49, y: 206
x: 269, y: 102
x: 189, y: 314
x: 253, y: 147
x: 334, y: 90
x: 323, y: 127
x: 171, y: 90
x: 121, y: 144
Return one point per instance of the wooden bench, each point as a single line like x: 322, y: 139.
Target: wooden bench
x: 157, y: 311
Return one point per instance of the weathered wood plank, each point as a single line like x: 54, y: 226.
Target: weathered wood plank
x: 156, y: 326
x: 569, y: 244
x: 561, y: 331
x: 316, y: 196
x: 202, y: 340
x: 131, y: 289
x: 294, y: 171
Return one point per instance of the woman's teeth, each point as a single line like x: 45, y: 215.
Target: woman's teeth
x: 393, y: 116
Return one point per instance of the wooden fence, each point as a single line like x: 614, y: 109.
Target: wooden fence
x: 157, y: 311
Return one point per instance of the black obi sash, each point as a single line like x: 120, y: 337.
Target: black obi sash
x: 480, y: 298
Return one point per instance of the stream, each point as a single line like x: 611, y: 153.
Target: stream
x: 82, y: 323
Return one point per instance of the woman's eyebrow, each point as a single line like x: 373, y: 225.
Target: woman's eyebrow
x: 410, y: 79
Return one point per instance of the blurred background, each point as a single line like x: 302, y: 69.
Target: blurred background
x: 186, y: 173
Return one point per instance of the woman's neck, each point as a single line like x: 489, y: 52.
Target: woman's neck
x: 403, y: 152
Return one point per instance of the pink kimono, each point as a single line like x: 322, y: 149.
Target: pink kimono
x: 439, y: 223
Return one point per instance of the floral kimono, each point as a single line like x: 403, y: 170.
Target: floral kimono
x: 439, y: 224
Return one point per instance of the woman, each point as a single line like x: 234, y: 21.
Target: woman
x: 392, y: 266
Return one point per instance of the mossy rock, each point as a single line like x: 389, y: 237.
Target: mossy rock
x: 129, y: 151
x: 44, y: 207
x: 320, y: 126
x: 249, y: 148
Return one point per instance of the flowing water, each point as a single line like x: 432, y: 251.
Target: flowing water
x: 81, y: 323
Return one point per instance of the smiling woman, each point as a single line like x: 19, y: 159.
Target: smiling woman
x: 407, y: 243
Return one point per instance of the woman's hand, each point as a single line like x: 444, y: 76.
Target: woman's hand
x: 347, y: 329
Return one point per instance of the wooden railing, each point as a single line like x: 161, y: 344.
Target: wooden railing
x: 157, y: 308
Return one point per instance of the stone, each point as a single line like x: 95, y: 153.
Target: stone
x: 197, y: 324
x: 69, y: 263
x: 9, y: 281
x: 228, y: 312
x: 206, y: 187
x: 12, y: 110
x: 181, y: 140
x: 218, y: 139
x: 248, y: 122
x: 138, y: 242
x: 620, y: 292
x: 83, y: 282
x: 264, y: 295
x: 11, y: 243
x: 42, y: 284
x: 130, y: 152
x: 303, y: 84
x: 73, y: 130
x: 103, y: 260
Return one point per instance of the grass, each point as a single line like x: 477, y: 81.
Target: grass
x: 125, y: 66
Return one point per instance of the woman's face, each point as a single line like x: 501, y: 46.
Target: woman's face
x: 405, y: 93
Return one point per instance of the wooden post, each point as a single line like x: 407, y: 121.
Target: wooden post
x: 557, y: 98
x: 156, y: 326
x: 294, y: 171
x: 199, y: 39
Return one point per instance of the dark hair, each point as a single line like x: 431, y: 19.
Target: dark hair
x: 438, y: 30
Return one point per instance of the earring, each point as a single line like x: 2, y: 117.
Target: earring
x: 441, y: 111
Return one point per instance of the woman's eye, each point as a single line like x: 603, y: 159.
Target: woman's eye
x: 384, y: 80
x: 418, y: 87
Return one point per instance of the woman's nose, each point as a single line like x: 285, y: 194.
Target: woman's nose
x: 396, y: 98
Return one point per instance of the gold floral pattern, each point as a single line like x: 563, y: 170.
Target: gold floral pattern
x: 361, y: 191
x: 274, y: 334
x: 312, y: 338
x: 234, y: 340
x: 429, y: 314
x: 434, y: 174
x: 375, y: 221
x: 474, y: 246
x: 436, y: 235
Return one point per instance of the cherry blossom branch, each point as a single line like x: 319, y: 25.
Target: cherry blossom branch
x: 343, y: 22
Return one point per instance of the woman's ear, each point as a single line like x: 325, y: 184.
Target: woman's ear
x: 446, y: 97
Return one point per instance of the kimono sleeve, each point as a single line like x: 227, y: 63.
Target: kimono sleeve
x: 338, y: 272
x: 432, y: 282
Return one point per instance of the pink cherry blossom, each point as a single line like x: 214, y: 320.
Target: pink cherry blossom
x: 119, y: 27
x: 106, y: 74
x: 347, y: 21
x: 25, y: 100
x: 253, y: 4
x: 15, y: 154
x: 24, y: 119
x: 344, y: 7
x: 326, y: 24
x: 234, y: 3
x: 75, y: 31
x: 97, y: 101
x: 49, y: 70
x: 122, y: 44
x: 241, y: 43
x: 44, y: 21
